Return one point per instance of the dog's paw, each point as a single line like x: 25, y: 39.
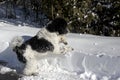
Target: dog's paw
x: 69, y: 49
x: 30, y: 69
x: 29, y: 73
x: 66, y: 49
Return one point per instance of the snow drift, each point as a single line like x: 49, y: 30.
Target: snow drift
x: 93, y: 58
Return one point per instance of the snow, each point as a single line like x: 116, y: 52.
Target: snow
x: 4, y: 70
x: 93, y: 58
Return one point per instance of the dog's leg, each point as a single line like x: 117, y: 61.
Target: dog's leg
x: 31, y: 68
x: 63, y: 40
x: 65, y: 49
x: 56, y: 48
x: 31, y: 62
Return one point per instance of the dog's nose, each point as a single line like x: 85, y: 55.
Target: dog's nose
x: 65, y: 43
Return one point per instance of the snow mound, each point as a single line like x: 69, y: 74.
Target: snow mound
x: 4, y: 70
x: 4, y: 46
x: 93, y: 58
x: 49, y: 69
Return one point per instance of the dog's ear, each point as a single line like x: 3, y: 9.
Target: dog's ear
x: 60, y: 22
x: 58, y: 25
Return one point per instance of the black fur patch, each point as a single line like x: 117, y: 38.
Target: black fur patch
x: 58, y: 25
x: 20, y: 51
x: 40, y: 45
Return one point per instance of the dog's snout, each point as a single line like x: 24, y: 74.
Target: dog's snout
x: 65, y: 43
x: 63, y: 40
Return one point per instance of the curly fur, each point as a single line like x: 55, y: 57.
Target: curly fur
x: 46, y: 41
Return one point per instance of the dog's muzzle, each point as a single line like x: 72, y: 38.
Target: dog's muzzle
x: 63, y: 40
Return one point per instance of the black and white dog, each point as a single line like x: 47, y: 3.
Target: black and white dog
x: 46, y: 41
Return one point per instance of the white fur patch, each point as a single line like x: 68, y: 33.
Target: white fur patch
x: 31, y: 64
x: 16, y: 41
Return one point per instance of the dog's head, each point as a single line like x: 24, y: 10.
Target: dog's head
x: 58, y: 25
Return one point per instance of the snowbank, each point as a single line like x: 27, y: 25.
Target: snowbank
x: 93, y: 58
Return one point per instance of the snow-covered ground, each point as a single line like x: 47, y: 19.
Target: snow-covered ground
x: 93, y: 58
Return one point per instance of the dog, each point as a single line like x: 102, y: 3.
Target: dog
x: 46, y: 41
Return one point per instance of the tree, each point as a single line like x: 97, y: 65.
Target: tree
x: 108, y: 19
x: 10, y: 9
